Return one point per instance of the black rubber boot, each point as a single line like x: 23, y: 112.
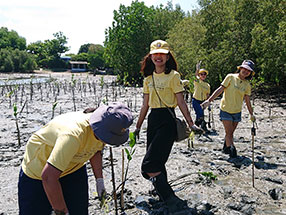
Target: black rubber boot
x: 204, y: 126
x: 162, y: 186
x: 164, y: 190
x: 232, y: 153
x: 175, y: 204
x: 198, y: 122
x: 225, y: 149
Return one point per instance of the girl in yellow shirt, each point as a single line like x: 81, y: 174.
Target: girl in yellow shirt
x: 235, y: 88
x: 53, y: 174
x: 162, y: 88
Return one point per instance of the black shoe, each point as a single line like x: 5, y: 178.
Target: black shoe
x: 198, y: 122
x: 233, y: 153
x: 225, y: 149
x: 204, y: 127
x: 175, y: 204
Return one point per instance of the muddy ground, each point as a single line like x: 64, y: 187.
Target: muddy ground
x: 189, y: 164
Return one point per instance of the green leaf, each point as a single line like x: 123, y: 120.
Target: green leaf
x: 15, y: 109
x: 54, y: 105
x: 129, y: 157
x: 132, y: 141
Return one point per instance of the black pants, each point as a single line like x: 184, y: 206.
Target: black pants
x: 33, y: 200
x: 161, y: 134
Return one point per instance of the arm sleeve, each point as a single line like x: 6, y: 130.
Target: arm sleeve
x: 176, y: 84
x: 64, y: 150
x: 226, y: 81
x: 145, y: 86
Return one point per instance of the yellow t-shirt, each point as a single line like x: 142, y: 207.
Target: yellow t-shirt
x: 167, y: 85
x: 66, y: 142
x: 201, y: 90
x: 234, y: 92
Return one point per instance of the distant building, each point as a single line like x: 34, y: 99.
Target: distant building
x: 66, y: 58
x: 78, y: 66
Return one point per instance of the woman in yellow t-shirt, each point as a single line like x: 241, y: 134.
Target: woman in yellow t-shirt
x: 201, y: 93
x: 162, y: 88
x: 236, y: 88
x: 53, y: 177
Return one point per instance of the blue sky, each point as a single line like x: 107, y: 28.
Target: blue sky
x: 81, y: 21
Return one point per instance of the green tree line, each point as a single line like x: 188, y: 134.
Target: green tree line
x: 13, y: 57
x: 16, y: 56
x: 222, y: 33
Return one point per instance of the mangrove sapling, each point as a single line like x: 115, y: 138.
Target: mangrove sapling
x: 270, y: 106
x: 65, y: 86
x: 23, y: 107
x: 10, y: 93
x: 17, y: 125
x: 22, y: 93
x: 129, y: 154
x: 135, y: 99
x: 54, y: 107
x: 31, y: 89
x: 27, y: 108
x: 106, y: 94
x: 101, y: 86
x: 208, y: 177
x: 73, y: 84
x: 41, y: 92
x: 113, y: 181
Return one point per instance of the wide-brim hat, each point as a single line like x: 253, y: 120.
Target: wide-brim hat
x: 247, y: 64
x: 110, y: 123
x: 203, y: 70
x: 159, y: 46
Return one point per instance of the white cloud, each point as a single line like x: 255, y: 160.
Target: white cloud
x: 81, y: 21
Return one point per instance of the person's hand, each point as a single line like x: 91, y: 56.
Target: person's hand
x: 198, y: 66
x: 59, y: 212
x: 205, y: 104
x: 100, y: 187
x: 196, y: 129
x: 252, y: 118
x: 136, y: 133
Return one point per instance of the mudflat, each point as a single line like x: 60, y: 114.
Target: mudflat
x: 199, y: 172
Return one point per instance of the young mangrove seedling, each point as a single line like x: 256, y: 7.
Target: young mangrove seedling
x: 15, y: 109
x: 11, y: 93
x: 53, y: 108
x: 209, y: 176
x: 129, y: 153
x: 73, y: 83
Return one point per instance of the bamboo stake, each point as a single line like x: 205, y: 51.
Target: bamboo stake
x: 122, y: 177
x: 113, y: 181
x: 253, y: 134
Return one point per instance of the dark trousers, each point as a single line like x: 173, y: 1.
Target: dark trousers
x: 198, y: 109
x: 32, y: 198
x: 161, y: 134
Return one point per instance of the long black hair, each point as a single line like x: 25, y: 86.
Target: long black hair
x: 148, y: 67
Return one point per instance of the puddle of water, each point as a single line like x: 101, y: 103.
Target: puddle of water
x: 21, y: 81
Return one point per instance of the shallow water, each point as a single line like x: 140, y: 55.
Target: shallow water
x: 21, y: 81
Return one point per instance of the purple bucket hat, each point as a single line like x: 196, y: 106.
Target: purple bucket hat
x: 110, y: 123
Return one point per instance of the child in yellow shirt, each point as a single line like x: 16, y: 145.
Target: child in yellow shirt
x: 201, y: 93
